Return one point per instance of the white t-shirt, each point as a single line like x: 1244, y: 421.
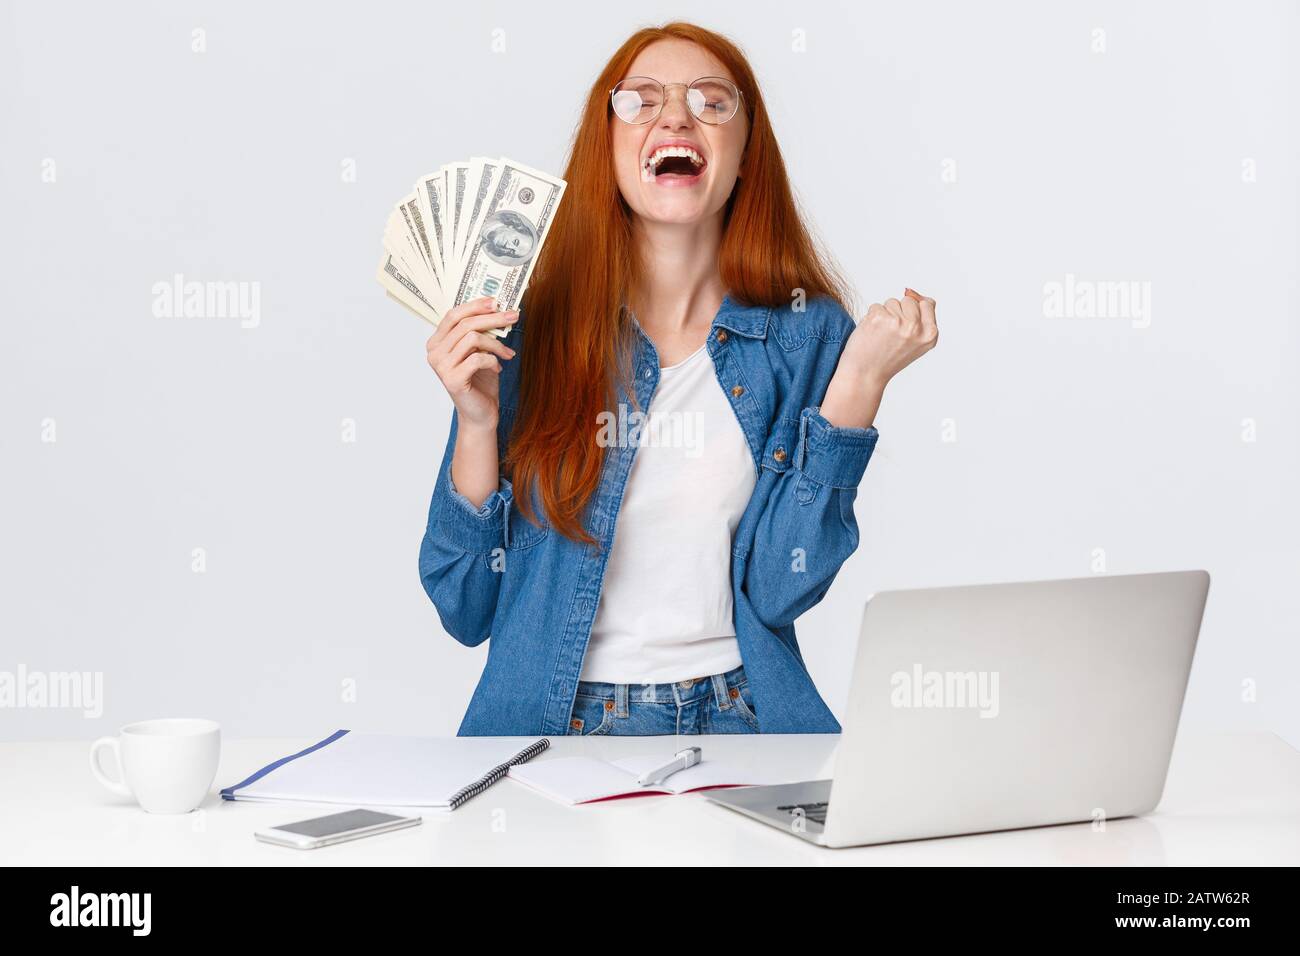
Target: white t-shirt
x: 665, y: 610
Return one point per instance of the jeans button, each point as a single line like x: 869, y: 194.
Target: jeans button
x: 687, y: 684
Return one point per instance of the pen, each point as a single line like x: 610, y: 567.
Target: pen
x: 685, y: 758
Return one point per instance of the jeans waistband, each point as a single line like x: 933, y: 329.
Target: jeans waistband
x: 678, y: 692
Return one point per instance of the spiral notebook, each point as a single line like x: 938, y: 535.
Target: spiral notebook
x: 384, y: 771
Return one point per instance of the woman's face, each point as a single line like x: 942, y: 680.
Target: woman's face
x: 673, y: 196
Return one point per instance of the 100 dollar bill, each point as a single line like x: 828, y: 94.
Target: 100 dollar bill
x: 507, y: 235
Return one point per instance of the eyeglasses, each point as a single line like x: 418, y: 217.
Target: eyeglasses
x: 638, y: 100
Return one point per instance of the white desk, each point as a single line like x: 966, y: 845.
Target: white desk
x: 1229, y: 800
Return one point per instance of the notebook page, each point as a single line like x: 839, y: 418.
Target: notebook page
x: 576, y: 779
x: 706, y: 773
x: 385, y: 770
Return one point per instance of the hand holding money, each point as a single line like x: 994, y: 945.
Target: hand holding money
x: 467, y: 359
x: 470, y: 230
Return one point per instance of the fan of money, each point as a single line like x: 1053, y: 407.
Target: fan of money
x: 471, y: 229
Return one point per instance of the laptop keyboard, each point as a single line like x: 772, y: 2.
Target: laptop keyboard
x: 816, y: 812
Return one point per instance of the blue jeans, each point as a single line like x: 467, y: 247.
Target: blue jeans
x: 720, y: 704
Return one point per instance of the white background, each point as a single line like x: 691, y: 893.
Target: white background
x: 183, y: 433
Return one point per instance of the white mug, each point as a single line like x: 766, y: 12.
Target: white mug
x: 167, y: 766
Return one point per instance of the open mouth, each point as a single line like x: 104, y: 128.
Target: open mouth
x: 673, y: 164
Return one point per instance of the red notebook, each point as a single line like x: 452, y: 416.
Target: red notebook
x: 575, y: 780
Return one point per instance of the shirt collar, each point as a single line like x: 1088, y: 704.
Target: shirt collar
x: 748, y: 320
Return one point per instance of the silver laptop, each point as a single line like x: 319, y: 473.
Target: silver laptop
x: 1000, y: 706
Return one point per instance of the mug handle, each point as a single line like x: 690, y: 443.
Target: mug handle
x: 117, y: 786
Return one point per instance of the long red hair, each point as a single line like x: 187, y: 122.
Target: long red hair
x: 577, y: 334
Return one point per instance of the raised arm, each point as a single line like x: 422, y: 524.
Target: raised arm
x: 808, y: 528
x: 460, y: 555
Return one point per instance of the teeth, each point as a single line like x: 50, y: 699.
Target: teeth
x: 663, y: 152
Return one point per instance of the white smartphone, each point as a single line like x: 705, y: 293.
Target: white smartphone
x: 334, y: 828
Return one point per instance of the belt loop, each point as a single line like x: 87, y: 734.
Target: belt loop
x: 620, y: 700
x: 720, y: 691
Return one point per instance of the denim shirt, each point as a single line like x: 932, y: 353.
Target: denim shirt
x: 494, y: 576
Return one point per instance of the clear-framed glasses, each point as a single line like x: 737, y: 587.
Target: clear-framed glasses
x: 640, y: 99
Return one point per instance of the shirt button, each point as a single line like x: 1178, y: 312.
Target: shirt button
x: 737, y: 390
x: 722, y: 335
x: 647, y: 373
x: 779, y: 454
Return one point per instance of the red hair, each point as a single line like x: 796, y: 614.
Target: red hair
x: 578, y: 337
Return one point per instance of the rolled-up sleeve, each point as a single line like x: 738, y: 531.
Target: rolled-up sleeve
x: 476, y: 530
x: 831, y: 455
x: 460, y: 555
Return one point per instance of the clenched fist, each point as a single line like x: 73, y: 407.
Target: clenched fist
x: 889, y: 338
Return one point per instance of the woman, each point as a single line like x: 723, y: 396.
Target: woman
x: 655, y: 478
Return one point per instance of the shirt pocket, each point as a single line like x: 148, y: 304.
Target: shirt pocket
x: 520, y: 532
